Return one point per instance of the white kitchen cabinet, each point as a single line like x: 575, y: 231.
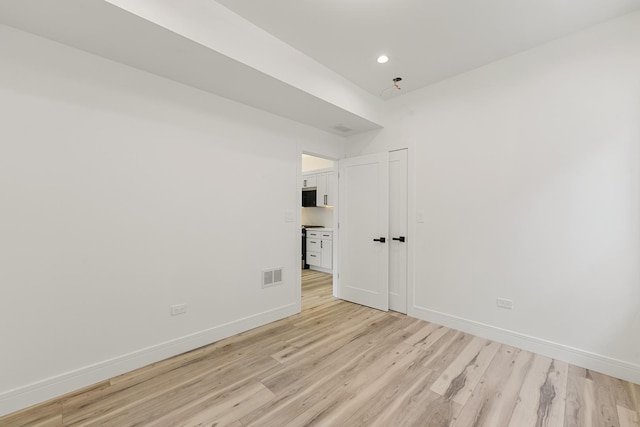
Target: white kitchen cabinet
x: 320, y: 249
x: 326, y: 248
x: 321, y: 191
x: 309, y: 180
x: 332, y: 189
x: 314, y: 244
x: 314, y: 258
x: 314, y: 248
x: 325, y: 195
x: 325, y: 184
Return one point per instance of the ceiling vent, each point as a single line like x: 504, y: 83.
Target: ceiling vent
x: 342, y: 128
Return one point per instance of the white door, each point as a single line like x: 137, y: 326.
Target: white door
x: 398, y: 224
x: 364, y: 230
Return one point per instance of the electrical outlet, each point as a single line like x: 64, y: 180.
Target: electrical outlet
x: 178, y: 309
x: 504, y: 303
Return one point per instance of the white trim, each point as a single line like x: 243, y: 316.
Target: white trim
x: 413, y: 227
x: 59, y: 385
x: 596, y: 362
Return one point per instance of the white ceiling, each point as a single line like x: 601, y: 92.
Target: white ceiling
x: 202, y: 44
x: 427, y: 40
x: 312, y: 61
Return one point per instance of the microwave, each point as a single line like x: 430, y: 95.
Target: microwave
x: 309, y: 197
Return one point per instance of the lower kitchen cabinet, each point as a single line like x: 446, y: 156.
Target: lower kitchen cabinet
x: 314, y: 258
x: 326, y: 248
x: 320, y: 249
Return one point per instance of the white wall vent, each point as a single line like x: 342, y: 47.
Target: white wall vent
x: 271, y: 277
x: 342, y: 128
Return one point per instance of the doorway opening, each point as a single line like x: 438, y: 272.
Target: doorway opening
x: 373, y: 241
x: 318, y: 220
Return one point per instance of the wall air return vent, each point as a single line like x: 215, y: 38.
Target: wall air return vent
x: 272, y: 277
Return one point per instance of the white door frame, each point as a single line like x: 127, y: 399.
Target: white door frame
x: 398, y: 229
x: 336, y: 237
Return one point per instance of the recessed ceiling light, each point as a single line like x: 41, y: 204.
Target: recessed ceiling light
x: 383, y: 59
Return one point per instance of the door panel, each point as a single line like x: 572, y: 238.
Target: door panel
x: 364, y: 216
x: 398, y: 225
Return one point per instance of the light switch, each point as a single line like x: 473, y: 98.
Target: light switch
x: 420, y: 217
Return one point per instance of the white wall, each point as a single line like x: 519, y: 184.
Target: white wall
x: 121, y: 194
x: 317, y: 216
x: 528, y: 173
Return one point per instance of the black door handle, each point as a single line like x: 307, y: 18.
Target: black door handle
x: 399, y: 239
x: 381, y: 240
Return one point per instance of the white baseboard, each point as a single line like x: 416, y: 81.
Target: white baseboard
x: 595, y: 362
x: 41, y: 391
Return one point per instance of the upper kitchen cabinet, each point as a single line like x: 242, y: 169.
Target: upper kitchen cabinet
x: 325, y: 193
x: 309, y: 180
x: 325, y: 186
x: 319, y: 176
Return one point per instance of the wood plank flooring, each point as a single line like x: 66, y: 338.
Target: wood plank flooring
x: 341, y: 364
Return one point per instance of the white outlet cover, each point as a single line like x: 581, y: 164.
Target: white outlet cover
x: 420, y: 217
x: 178, y: 309
x: 504, y: 303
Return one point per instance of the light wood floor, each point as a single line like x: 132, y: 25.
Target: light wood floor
x: 341, y: 364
